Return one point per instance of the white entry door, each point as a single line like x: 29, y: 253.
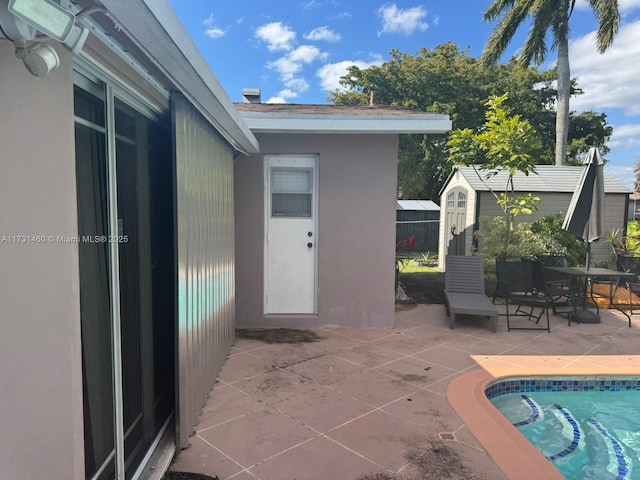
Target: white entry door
x: 291, y: 234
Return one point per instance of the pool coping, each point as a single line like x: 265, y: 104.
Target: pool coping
x: 511, y: 451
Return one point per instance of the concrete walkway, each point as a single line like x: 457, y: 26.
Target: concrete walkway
x: 370, y: 404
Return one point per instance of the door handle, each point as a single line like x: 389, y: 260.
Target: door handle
x: 309, y: 244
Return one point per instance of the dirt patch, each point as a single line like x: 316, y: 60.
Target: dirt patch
x: 378, y: 476
x: 187, y: 476
x: 424, y: 287
x: 440, y: 461
x: 278, y: 335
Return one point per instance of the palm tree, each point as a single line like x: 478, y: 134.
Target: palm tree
x: 553, y: 16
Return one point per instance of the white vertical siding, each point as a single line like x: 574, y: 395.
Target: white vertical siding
x: 205, y: 248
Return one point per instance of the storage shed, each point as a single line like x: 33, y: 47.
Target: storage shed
x: 466, y: 196
x: 419, y: 219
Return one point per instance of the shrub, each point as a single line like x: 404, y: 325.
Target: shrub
x: 558, y: 241
x: 495, y: 241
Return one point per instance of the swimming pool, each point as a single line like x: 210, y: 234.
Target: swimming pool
x: 588, y: 427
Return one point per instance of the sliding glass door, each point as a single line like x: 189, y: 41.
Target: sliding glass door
x: 126, y: 247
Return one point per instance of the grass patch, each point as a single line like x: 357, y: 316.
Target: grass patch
x: 412, y: 266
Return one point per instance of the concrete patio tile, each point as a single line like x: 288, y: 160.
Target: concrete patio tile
x: 242, y: 365
x: 451, y: 460
x: 331, y: 342
x: 433, y: 335
x: 477, y: 345
x: 318, y: 459
x: 257, y: 436
x: 426, y: 409
x: 323, y: 408
x: 226, y: 403
x: 284, y: 355
x: 363, y: 334
x: 447, y: 357
x: 246, y: 344
x: 326, y: 370
x: 200, y: 457
x: 374, y: 388
x: 244, y: 475
x: 381, y: 437
x: 368, y: 355
x: 415, y: 371
x: 401, y: 343
x: 276, y: 386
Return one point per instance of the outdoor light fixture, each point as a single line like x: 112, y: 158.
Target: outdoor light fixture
x: 45, y: 16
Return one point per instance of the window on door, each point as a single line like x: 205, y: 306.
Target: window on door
x: 291, y: 192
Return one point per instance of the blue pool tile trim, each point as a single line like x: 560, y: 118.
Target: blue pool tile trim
x: 535, y: 413
x: 576, y: 435
x: 554, y: 384
x: 623, y: 464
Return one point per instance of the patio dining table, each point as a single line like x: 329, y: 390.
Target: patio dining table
x: 581, y: 279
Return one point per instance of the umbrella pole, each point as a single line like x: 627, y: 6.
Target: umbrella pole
x: 588, y: 254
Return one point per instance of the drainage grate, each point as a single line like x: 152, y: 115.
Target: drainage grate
x: 447, y: 436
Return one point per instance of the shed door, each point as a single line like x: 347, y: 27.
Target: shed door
x: 456, y: 218
x: 291, y: 235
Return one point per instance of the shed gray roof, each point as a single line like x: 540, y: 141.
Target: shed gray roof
x: 549, y: 178
x: 417, y: 205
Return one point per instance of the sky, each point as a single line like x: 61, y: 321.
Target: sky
x: 295, y: 51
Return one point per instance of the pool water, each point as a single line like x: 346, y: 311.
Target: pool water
x: 589, y: 427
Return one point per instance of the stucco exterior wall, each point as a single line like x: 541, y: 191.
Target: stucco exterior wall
x: 41, y: 434
x: 356, y: 230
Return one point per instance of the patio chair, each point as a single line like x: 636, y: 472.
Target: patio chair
x: 555, y: 285
x: 516, y: 284
x: 464, y: 289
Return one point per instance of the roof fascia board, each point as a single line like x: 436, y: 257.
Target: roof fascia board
x: 276, y: 123
x: 158, y: 32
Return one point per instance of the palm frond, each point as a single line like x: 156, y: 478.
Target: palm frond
x: 608, y: 16
x: 504, y: 31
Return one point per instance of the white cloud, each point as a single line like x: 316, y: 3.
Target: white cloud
x: 625, y: 136
x: 405, y: 21
x: 213, y: 31
x: 623, y: 173
x: 277, y: 36
x: 290, y: 65
x: 330, y: 73
x: 276, y: 100
x: 611, y: 79
x: 293, y: 62
x: 623, y: 5
x: 323, y: 33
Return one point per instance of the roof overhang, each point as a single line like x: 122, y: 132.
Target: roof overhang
x: 270, y: 122
x: 159, y: 35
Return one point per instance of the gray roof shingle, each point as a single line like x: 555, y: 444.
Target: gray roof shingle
x: 549, y: 178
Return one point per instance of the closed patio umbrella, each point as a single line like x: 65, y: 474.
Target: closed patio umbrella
x: 585, y: 215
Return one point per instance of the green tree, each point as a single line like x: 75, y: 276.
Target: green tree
x: 548, y: 16
x: 504, y: 145
x: 447, y: 80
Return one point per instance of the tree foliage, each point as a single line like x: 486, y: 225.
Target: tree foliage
x: 447, y: 80
x: 505, y: 144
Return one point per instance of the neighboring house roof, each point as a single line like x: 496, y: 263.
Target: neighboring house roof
x: 417, y: 205
x: 157, y: 33
x: 298, y: 118
x: 548, y: 178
